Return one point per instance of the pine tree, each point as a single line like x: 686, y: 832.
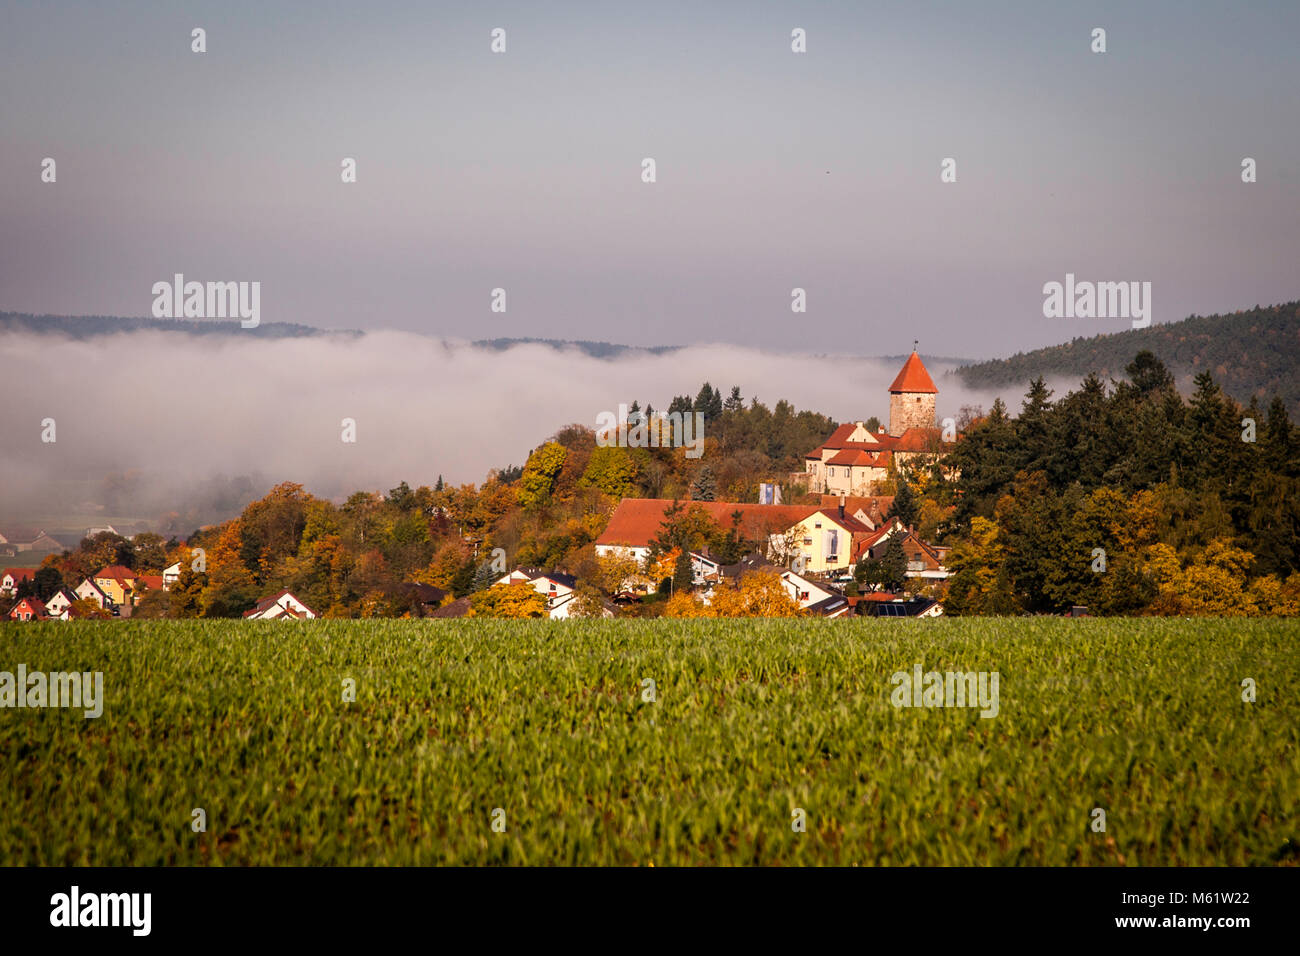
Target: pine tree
x: 709, y: 402
x: 893, y: 564
x: 682, y: 574
x: 905, y: 503
x: 484, y: 577
x: 705, y: 486
x: 734, y: 402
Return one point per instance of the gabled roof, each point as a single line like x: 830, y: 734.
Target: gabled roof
x: 875, y: 507
x: 918, y: 439
x: 115, y: 571
x: 913, y: 377
x: 424, y: 593
x: 34, y: 607
x: 91, y: 582
x: 636, y: 521
x: 457, y: 608
x: 859, y: 457
x: 269, y: 602
x: 828, y: 605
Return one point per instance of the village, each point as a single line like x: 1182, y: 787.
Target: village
x: 844, y: 551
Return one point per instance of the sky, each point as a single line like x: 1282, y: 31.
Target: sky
x: 775, y: 170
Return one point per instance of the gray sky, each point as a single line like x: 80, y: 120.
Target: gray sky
x: 775, y: 170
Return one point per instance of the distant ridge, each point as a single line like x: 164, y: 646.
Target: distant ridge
x: 1252, y: 352
x: 88, y: 326
x: 594, y: 349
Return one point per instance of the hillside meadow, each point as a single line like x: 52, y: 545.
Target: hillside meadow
x: 549, y: 729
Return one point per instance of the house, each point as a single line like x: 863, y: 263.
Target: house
x: 280, y: 607
x: 828, y: 541
x: 28, y: 609
x: 171, y: 574
x: 88, y: 589
x: 815, y: 597
x: 871, y: 510
x: 891, y: 606
x: 29, y: 539
x: 853, y: 460
x: 149, y: 582
x: 457, y: 608
x: 13, y: 577
x: 559, y: 588
x: 704, y: 570
x: 924, y: 560
x: 57, y: 606
x: 423, y: 598
x: 637, y: 521
x: 117, y: 581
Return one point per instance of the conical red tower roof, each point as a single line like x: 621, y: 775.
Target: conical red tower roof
x: 913, y: 377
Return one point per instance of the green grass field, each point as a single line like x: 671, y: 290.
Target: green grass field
x: 453, y: 719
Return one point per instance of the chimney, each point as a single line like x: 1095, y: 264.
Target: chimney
x: 841, y: 506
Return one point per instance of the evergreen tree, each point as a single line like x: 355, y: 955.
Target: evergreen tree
x: 893, y: 564
x: 705, y: 486
x: 48, y: 582
x: 734, y: 402
x: 682, y: 574
x: 905, y: 506
x: 484, y: 577
x: 709, y: 402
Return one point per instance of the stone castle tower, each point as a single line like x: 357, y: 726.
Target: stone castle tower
x: 911, y: 397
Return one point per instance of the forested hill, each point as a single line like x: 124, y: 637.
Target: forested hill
x: 1256, y: 351
x: 87, y: 326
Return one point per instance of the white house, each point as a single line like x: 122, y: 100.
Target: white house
x: 283, y: 606
x: 57, y: 606
x: 89, y: 589
x: 813, y: 597
x: 170, y: 575
x: 13, y: 577
x: 558, y: 588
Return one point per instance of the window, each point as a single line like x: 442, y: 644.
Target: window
x: 831, y: 472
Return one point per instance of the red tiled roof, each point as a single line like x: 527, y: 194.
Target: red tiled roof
x: 20, y: 574
x: 852, y: 503
x: 116, y: 571
x: 152, y: 581
x: 856, y: 456
x: 913, y: 377
x: 34, y: 607
x: 917, y: 439
x: 637, y: 520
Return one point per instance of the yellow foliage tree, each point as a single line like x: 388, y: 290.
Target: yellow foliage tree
x: 516, y: 600
x: 761, y: 594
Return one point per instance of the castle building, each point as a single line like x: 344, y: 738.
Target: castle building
x: 853, y: 459
x: 911, y: 397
